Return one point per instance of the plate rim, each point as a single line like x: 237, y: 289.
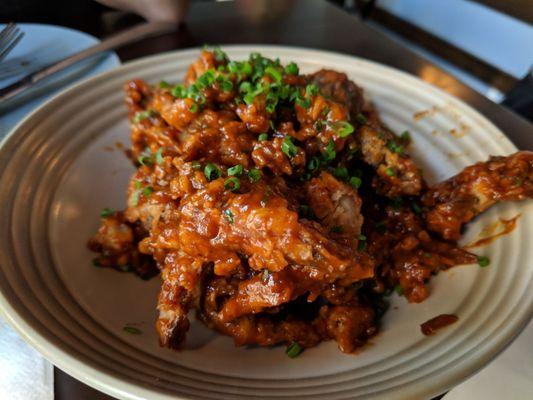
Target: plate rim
x: 109, y: 384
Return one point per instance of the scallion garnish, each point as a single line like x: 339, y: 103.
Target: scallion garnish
x: 159, y: 156
x: 262, y: 137
x: 362, y: 243
x: 232, y: 184
x: 394, y: 147
x: 343, y: 128
x: 264, y: 276
x: 142, y: 115
x: 483, y: 261
x: 291, y: 69
x: 361, y: 119
x: 336, y: 229
x: 132, y: 330
x: 107, y: 212
x: 254, y: 174
x: 274, y: 73
x: 293, y: 350
x: 389, y: 171
x: 147, y: 191
x: 355, y: 181
x: 398, y: 289
x: 288, y: 147
x: 236, y: 170
x: 211, y: 172
x: 229, y: 216
x: 313, y: 164
x: 329, y: 153
x: 405, y: 136
x: 341, y: 172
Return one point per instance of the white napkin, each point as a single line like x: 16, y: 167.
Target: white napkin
x: 24, y: 373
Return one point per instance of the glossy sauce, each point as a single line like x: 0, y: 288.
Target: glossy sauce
x: 434, y: 324
x: 488, y: 235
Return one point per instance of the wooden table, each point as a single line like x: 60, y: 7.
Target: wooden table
x: 308, y: 23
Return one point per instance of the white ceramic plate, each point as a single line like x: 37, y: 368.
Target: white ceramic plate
x: 58, y: 170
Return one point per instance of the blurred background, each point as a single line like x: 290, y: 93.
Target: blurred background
x: 486, y: 44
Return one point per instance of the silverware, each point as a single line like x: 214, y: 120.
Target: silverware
x: 136, y: 33
x: 9, y: 37
x: 17, y: 66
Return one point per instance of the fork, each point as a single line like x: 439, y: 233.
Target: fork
x: 9, y: 37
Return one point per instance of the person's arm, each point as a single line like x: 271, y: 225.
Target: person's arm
x: 152, y: 10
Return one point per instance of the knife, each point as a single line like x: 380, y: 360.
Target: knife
x: 133, y: 34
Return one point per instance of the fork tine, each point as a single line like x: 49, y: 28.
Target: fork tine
x: 5, y: 51
x: 7, y: 30
x: 8, y: 37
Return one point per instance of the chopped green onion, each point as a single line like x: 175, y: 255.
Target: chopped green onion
x: 311, y: 90
x: 361, y: 119
x: 355, y: 181
x: 219, y: 54
x: 235, y: 170
x: 341, y: 172
x: 262, y: 137
x: 229, y: 216
x: 303, y: 102
x: 389, y: 171
x: 343, y: 128
x: 193, y: 108
x: 329, y: 153
x: 145, y: 158
x: 362, y: 243
x: 136, y: 194
x: 107, y: 212
x: 483, y: 261
x: 164, y: 85
x: 416, y: 208
x: 291, y: 69
x: 232, y: 184
x: 211, y: 172
x: 226, y: 86
x: 274, y: 73
x: 405, y: 136
x: 142, y: 115
x: 179, y: 91
x: 293, y: 350
x: 132, y: 330
x: 288, y: 147
x: 394, y: 147
x: 313, y: 164
x: 398, y: 289
x: 159, y: 156
x: 264, y: 276
x: 254, y: 174
x: 147, y: 191
x: 336, y: 229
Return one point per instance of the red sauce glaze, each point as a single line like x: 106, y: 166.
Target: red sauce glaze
x: 434, y: 324
x: 280, y: 208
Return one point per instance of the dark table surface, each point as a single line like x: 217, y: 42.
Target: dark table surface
x: 308, y: 23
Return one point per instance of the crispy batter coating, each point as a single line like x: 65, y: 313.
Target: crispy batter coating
x: 281, y: 209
